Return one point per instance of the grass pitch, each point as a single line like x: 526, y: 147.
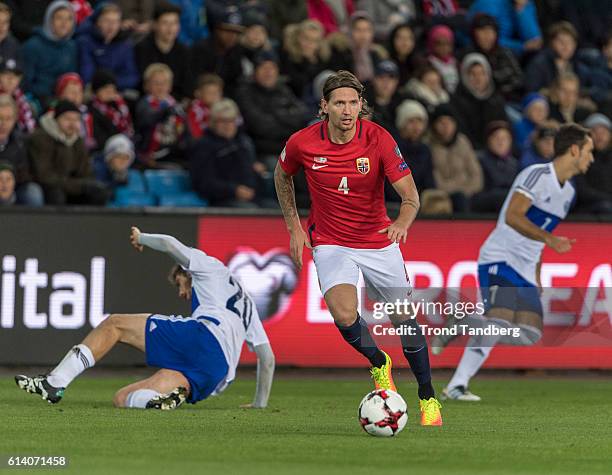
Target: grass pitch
x: 523, y: 426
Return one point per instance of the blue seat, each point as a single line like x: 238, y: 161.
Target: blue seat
x: 161, y: 182
x: 136, y: 181
x: 183, y: 200
x: 126, y: 197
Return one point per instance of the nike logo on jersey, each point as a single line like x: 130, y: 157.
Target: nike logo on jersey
x: 316, y: 167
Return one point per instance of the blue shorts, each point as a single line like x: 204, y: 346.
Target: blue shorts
x: 501, y: 286
x: 187, y: 346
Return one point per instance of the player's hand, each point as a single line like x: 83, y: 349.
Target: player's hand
x: 244, y: 193
x: 298, y: 240
x: 134, y: 239
x: 396, y: 232
x: 560, y: 244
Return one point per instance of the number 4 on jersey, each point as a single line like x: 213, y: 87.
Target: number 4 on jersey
x: 343, y: 187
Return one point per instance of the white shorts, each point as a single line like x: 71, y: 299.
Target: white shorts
x: 383, y: 270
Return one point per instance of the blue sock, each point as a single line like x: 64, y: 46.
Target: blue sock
x: 358, y: 336
x: 415, y: 351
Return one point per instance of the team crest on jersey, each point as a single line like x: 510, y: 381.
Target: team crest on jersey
x: 363, y: 165
x: 283, y: 153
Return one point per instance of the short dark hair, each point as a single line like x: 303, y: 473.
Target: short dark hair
x: 175, y: 271
x: 207, y: 79
x: 562, y: 27
x: 568, y: 135
x: 340, y: 79
x: 162, y: 7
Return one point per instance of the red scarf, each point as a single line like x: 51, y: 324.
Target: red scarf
x: 166, y: 133
x: 117, y: 112
x: 25, y: 121
x: 198, y: 117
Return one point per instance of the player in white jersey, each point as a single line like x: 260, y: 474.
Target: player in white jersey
x: 198, y: 354
x: 510, y: 259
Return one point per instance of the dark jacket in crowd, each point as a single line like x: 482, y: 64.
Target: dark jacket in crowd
x: 384, y: 115
x: 580, y: 114
x: 177, y: 59
x: 270, y: 115
x: 27, y: 15
x: 219, y: 165
x: 418, y: 157
x: 14, y: 152
x: 300, y: 75
x: 116, y: 56
x: 207, y: 59
x: 10, y: 49
x: 595, y: 186
x: 285, y: 12
x: 498, y: 172
x: 542, y: 71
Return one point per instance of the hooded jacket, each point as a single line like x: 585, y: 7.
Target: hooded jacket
x: 116, y: 56
x: 58, y: 160
x: 47, y: 56
x: 477, y: 109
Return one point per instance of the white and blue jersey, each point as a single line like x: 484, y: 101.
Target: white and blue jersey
x: 550, y: 203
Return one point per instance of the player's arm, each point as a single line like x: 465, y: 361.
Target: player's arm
x: 516, y: 218
x: 265, y: 375
x: 409, y: 208
x: 162, y: 243
x: 285, y: 192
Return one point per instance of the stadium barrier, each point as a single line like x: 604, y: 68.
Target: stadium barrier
x: 62, y: 271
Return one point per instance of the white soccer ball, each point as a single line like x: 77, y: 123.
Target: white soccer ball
x: 383, y: 413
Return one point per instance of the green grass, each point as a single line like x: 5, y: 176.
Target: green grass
x: 523, y: 426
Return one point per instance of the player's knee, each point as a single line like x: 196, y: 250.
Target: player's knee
x: 344, y: 315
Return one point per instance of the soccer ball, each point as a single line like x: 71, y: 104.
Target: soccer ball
x: 383, y: 413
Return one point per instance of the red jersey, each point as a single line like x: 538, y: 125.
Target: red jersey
x: 346, y: 182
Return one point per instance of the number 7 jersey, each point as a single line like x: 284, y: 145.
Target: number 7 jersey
x: 346, y: 182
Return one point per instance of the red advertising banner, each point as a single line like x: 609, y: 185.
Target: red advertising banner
x: 438, y: 255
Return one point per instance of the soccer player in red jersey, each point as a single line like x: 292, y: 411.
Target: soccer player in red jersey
x: 346, y: 159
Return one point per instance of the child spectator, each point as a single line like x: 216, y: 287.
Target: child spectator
x: 402, y: 50
x: 160, y: 121
x: 535, y: 111
x: 110, y: 113
x: 427, y: 88
x: 208, y: 92
x: 542, y: 147
x: 440, y: 46
x: 69, y: 87
x: 7, y: 185
x: 10, y: 49
x: 382, y: 96
x: 565, y: 101
x: 112, y: 165
x: 51, y: 52
x: 254, y: 40
x: 10, y: 78
x: 102, y: 45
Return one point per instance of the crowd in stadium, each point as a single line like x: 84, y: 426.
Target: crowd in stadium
x: 94, y: 96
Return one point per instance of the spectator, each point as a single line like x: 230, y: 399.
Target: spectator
x: 10, y: 49
x: 599, y: 63
x: 402, y: 50
x: 254, y: 40
x: 542, y: 147
x: 13, y: 152
x: 7, y: 185
x: 193, y: 21
x: 565, y: 106
x: 387, y: 15
x: 10, y: 78
x: 137, y: 15
x: 411, y: 123
x: 112, y: 165
x: 427, y: 88
x: 476, y: 101
x: 222, y: 163
x: 591, y: 18
x: 162, y: 46
x: 102, y: 45
x: 50, y: 52
x: 594, y: 189
x: 271, y: 111
x: 162, y: 135
x: 455, y: 167
x: 499, y: 168
x: 69, y: 87
x: 304, y: 55
x: 282, y: 13
x: 506, y: 70
x: 60, y: 161
x: 518, y: 23
x: 110, y: 113
x: 440, y: 45
x: 82, y: 10
x: 27, y: 16
x: 220, y: 54
x: 382, y: 96
x: 208, y: 92
x: 535, y: 111
x: 333, y: 15
x: 360, y: 54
